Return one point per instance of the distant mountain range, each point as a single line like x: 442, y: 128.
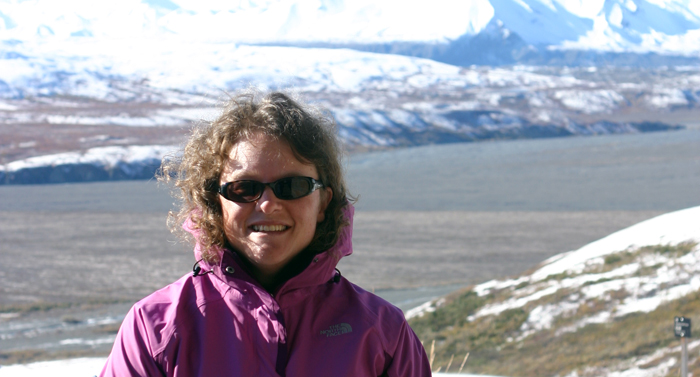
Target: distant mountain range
x: 495, y: 32
x: 105, y: 95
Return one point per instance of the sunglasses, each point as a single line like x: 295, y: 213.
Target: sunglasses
x: 286, y: 189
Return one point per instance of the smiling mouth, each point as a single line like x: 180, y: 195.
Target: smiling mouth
x: 269, y: 228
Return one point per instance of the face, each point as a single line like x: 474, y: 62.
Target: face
x: 270, y: 231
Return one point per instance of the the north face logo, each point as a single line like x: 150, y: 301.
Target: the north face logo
x: 335, y: 330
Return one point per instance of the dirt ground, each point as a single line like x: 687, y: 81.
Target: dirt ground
x: 410, y: 249
x: 93, y: 257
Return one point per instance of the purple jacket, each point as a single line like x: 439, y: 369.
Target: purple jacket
x: 224, y: 323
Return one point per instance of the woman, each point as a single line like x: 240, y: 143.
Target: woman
x: 265, y: 201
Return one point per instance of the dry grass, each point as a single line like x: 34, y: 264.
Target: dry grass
x: 545, y: 354
x: 615, y: 260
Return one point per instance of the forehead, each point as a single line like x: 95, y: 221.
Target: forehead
x: 265, y: 157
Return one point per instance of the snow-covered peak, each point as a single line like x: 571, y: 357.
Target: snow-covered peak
x: 611, y: 25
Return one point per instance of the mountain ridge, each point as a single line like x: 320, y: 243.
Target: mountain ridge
x: 544, y: 28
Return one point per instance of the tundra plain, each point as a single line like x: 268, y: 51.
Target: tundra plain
x: 74, y: 257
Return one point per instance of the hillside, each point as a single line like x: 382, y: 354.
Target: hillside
x: 72, y: 102
x: 605, y: 309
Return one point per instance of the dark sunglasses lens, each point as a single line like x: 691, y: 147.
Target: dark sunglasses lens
x: 293, y: 188
x: 244, y: 191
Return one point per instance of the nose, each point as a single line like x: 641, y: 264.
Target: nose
x: 268, y: 202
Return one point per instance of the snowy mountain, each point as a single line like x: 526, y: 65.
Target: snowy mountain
x: 100, y: 68
x: 604, y: 309
x: 443, y: 30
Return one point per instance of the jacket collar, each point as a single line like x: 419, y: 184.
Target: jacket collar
x: 320, y: 270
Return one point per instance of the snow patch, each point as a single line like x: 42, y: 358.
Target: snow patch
x: 82, y: 367
x: 623, y: 287
x: 101, y: 156
x: 7, y: 107
x: 663, y: 98
x: 89, y: 342
x: 116, y: 120
x: 589, y: 101
x: 419, y: 311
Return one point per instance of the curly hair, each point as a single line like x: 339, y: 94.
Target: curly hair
x: 310, y: 133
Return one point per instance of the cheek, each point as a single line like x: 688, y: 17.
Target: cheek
x: 226, y: 221
x: 225, y: 211
x: 230, y: 215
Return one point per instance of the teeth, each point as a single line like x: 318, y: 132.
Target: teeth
x: 269, y: 228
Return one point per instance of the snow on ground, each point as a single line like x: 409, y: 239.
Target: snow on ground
x: 674, y: 279
x: 589, y: 101
x: 461, y: 375
x: 667, y: 97
x: 89, y: 367
x: 163, y: 67
x: 87, y: 67
x: 640, y: 367
x: 116, y: 120
x: 101, y: 156
x: 634, y: 270
x: 670, y: 228
x: 175, y: 117
x: 83, y: 367
x: 428, y: 307
x: 7, y: 107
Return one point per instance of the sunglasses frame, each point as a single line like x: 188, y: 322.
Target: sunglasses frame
x: 315, y: 185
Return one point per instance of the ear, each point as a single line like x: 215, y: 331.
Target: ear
x: 326, y: 196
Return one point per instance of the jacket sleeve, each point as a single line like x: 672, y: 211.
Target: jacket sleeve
x: 132, y: 354
x: 410, y: 359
